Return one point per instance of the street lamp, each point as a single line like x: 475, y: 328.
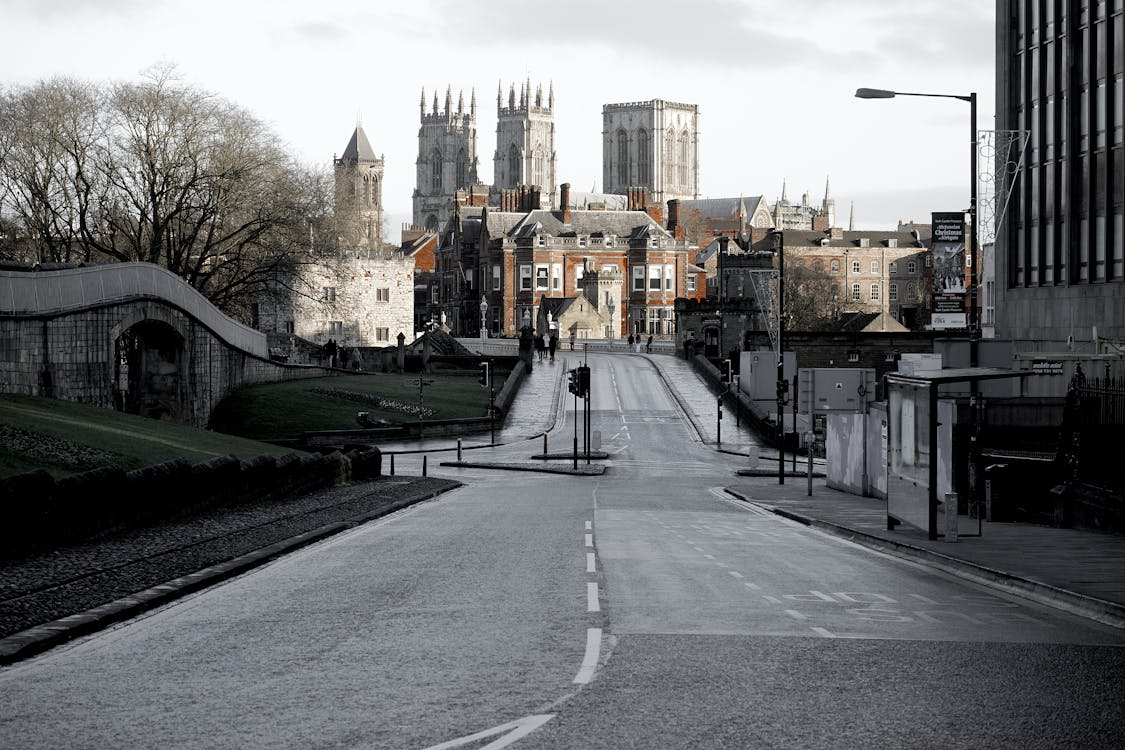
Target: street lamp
x: 483, y: 319
x: 782, y: 383
x: 972, y: 100
x: 609, y: 306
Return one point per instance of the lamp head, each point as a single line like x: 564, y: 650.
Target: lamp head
x: 874, y: 94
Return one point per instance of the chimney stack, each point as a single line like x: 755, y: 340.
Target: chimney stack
x: 564, y: 201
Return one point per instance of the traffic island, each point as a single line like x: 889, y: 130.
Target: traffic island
x: 588, y: 470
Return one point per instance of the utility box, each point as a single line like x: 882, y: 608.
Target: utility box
x: 835, y: 390
x: 758, y: 373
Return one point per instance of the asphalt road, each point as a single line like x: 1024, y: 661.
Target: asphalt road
x: 641, y: 609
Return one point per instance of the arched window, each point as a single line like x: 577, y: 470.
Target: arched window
x: 622, y: 158
x: 538, y: 164
x: 514, y: 165
x: 685, y: 160
x: 669, y: 157
x: 462, y: 169
x: 435, y: 170
x: 644, y: 172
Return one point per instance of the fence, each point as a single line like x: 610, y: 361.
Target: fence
x: 1094, y: 430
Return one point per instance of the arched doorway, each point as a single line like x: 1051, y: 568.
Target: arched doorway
x: 148, y: 378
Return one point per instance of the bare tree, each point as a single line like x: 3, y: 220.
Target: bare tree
x: 809, y: 301
x: 160, y: 172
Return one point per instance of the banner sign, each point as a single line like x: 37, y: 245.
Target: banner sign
x: 948, y: 279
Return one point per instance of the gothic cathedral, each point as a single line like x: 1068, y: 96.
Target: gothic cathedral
x: 525, y: 140
x: 447, y: 158
x: 654, y: 145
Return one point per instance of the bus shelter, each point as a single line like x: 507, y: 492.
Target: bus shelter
x: 920, y: 447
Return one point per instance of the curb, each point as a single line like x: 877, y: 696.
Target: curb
x: 1099, y: 610
x: 43, y: 637
x: 582, y: 470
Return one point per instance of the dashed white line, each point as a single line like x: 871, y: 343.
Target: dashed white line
x: 772, y: 599
x: 795, y: 614
x: 710, y: 557
x: 735, y: 573
x: 592, y: 598
x: 752, y: 586
x: 590, y: 659
x: 824, y: 632
x: 590, y: 563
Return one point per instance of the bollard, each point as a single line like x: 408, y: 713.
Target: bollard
x: 458, y: 450
x: 544, y: 445
x: 950, y: 516
x: 424, y: 465
x: 752, y: 454
x: 809, y: 449
x: 392, y: 464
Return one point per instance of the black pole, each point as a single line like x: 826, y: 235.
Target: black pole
x: 780, y: 357
x: 576, y: 430
x: 793, y: 401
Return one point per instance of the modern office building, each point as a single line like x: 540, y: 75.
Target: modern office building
x: 1060, y: 251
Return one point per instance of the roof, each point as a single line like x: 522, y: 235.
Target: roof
x: 582, y: 223
x: 359, y: 148
x: 876, y: 239
x: 955, y: 375
x: 869, y: 322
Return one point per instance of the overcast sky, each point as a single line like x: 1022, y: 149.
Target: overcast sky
x: 774, y: 81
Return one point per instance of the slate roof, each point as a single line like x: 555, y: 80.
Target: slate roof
x: 876, y: 239
x: 582, y: 223
x: 722, y: 208
x: 359, y: 148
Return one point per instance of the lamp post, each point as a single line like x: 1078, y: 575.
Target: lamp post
x: 972, y: 100
x: 782, y: 383
x: 609, y: 306
x: 483, y: 319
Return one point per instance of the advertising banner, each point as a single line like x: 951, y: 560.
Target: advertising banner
x: 948, y: 281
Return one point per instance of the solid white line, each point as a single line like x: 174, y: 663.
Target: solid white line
x: 589, y: 525
x: 824, y: 632
x: 795, y: 614
x: 590, y: 660
x: 515, y: 730
x: 590, y: 564
x: 589, y: 540
x: 735, y: 573
x: 592, y: 598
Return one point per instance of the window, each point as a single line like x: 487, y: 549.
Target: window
x: 382, y: 334
x: 581, y: 242
x: 874, y: 266
x: 609, y: 241
x: 643, y: 176
x: 638, y: 278
x: 912, y: 267
x: 382, y: 294
x: 855, y: 292
x: 556, y: 277
x: 691, y: 282
x: 525, y: 278
x: 669, y: 278
x: 579, y: 271
x: 818, y: 266
x: 855, y: 266
x: 893, y: 268
x: 622, y: 158
x: 874, y: 292
x: 335, y: 327
x: 542, y: 278
x: 329, y: 294
x: 435, y: 170
x: 835, y: 266
x: 514, y: 177
x: 893, y: 292
x: 654, y: 278
x: 435, y: 294
x: 462, y: 169
x: 290, y: 327
x: 496, y: 278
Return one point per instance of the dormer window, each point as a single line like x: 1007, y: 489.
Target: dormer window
x: 609, y: 241
x: 581, y: 242
x: 864, y: 242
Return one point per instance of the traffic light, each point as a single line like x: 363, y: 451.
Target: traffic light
x: 583, y: 381
x: 483, y: 379
x: 726, y: 371
x: 572, y: 381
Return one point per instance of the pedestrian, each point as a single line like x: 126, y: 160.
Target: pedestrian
x: 552, y: 345
x: 546, y: 344
x: 630, y: 342
x: 539, y: 348
x: 572, y: 340
x: 648, y: 346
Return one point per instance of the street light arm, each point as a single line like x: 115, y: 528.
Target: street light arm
x: 885, y: 94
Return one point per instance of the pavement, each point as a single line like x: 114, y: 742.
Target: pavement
x: 1075, y: 570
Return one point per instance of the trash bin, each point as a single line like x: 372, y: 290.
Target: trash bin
x: 995, y: 504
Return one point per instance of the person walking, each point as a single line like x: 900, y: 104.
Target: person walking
x: 648, y: 345
x: 552, y: 345
x: 630, y: 342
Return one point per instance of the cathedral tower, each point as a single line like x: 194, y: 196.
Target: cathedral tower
x: 653, y: 144
x: 525, y: 139
x: 447, y: 158
x: 359, y: 193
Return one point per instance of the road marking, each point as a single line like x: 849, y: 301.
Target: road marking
x: 710, y: 557
x: 722, y: 565
x: 735, y: 573
x: 795, y: 614
x: 592, y: 598
x: 590, y: 660
x: 589, y: 525
x: 772, y: 599
x: 590, y: 563
x: 512, y: 731
x: 589, y: 540
x: 824, y: 632
x: 752, y: 586
x: 697, y: 549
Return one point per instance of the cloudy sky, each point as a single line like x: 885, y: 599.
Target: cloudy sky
x: 774, y: 81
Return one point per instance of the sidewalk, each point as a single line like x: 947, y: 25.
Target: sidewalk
x: 1079, y: 571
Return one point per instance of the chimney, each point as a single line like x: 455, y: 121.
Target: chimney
x: 820, y: 222
x: 564, y: 201
x: 674, y: 219
x: 638, y: 199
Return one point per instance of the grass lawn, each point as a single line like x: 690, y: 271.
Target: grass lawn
x: 66, y: 438
x: 279, y: 411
